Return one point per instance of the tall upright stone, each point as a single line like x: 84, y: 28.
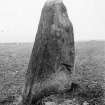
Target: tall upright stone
x: 52, y: 60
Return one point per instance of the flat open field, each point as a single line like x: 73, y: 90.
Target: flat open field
x: 14, y: 58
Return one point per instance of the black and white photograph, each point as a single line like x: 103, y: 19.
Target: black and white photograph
x: 52, y: 52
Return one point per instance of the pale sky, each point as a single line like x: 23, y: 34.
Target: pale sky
x: 19, y: 19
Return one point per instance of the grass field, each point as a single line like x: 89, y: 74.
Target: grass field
x: 89, y: 67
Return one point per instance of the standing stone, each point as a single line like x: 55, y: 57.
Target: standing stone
x: 52, y: 60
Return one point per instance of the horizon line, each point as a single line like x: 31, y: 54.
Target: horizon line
x: 34, y: 41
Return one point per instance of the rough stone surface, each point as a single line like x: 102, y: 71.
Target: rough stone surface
x: 52, y: 60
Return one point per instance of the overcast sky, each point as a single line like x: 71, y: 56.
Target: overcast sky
x: 19, y: 19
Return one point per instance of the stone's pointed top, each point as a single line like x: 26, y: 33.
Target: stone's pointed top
x: 50, y: 2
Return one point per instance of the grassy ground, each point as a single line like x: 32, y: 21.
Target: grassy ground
x: 89, y: 69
